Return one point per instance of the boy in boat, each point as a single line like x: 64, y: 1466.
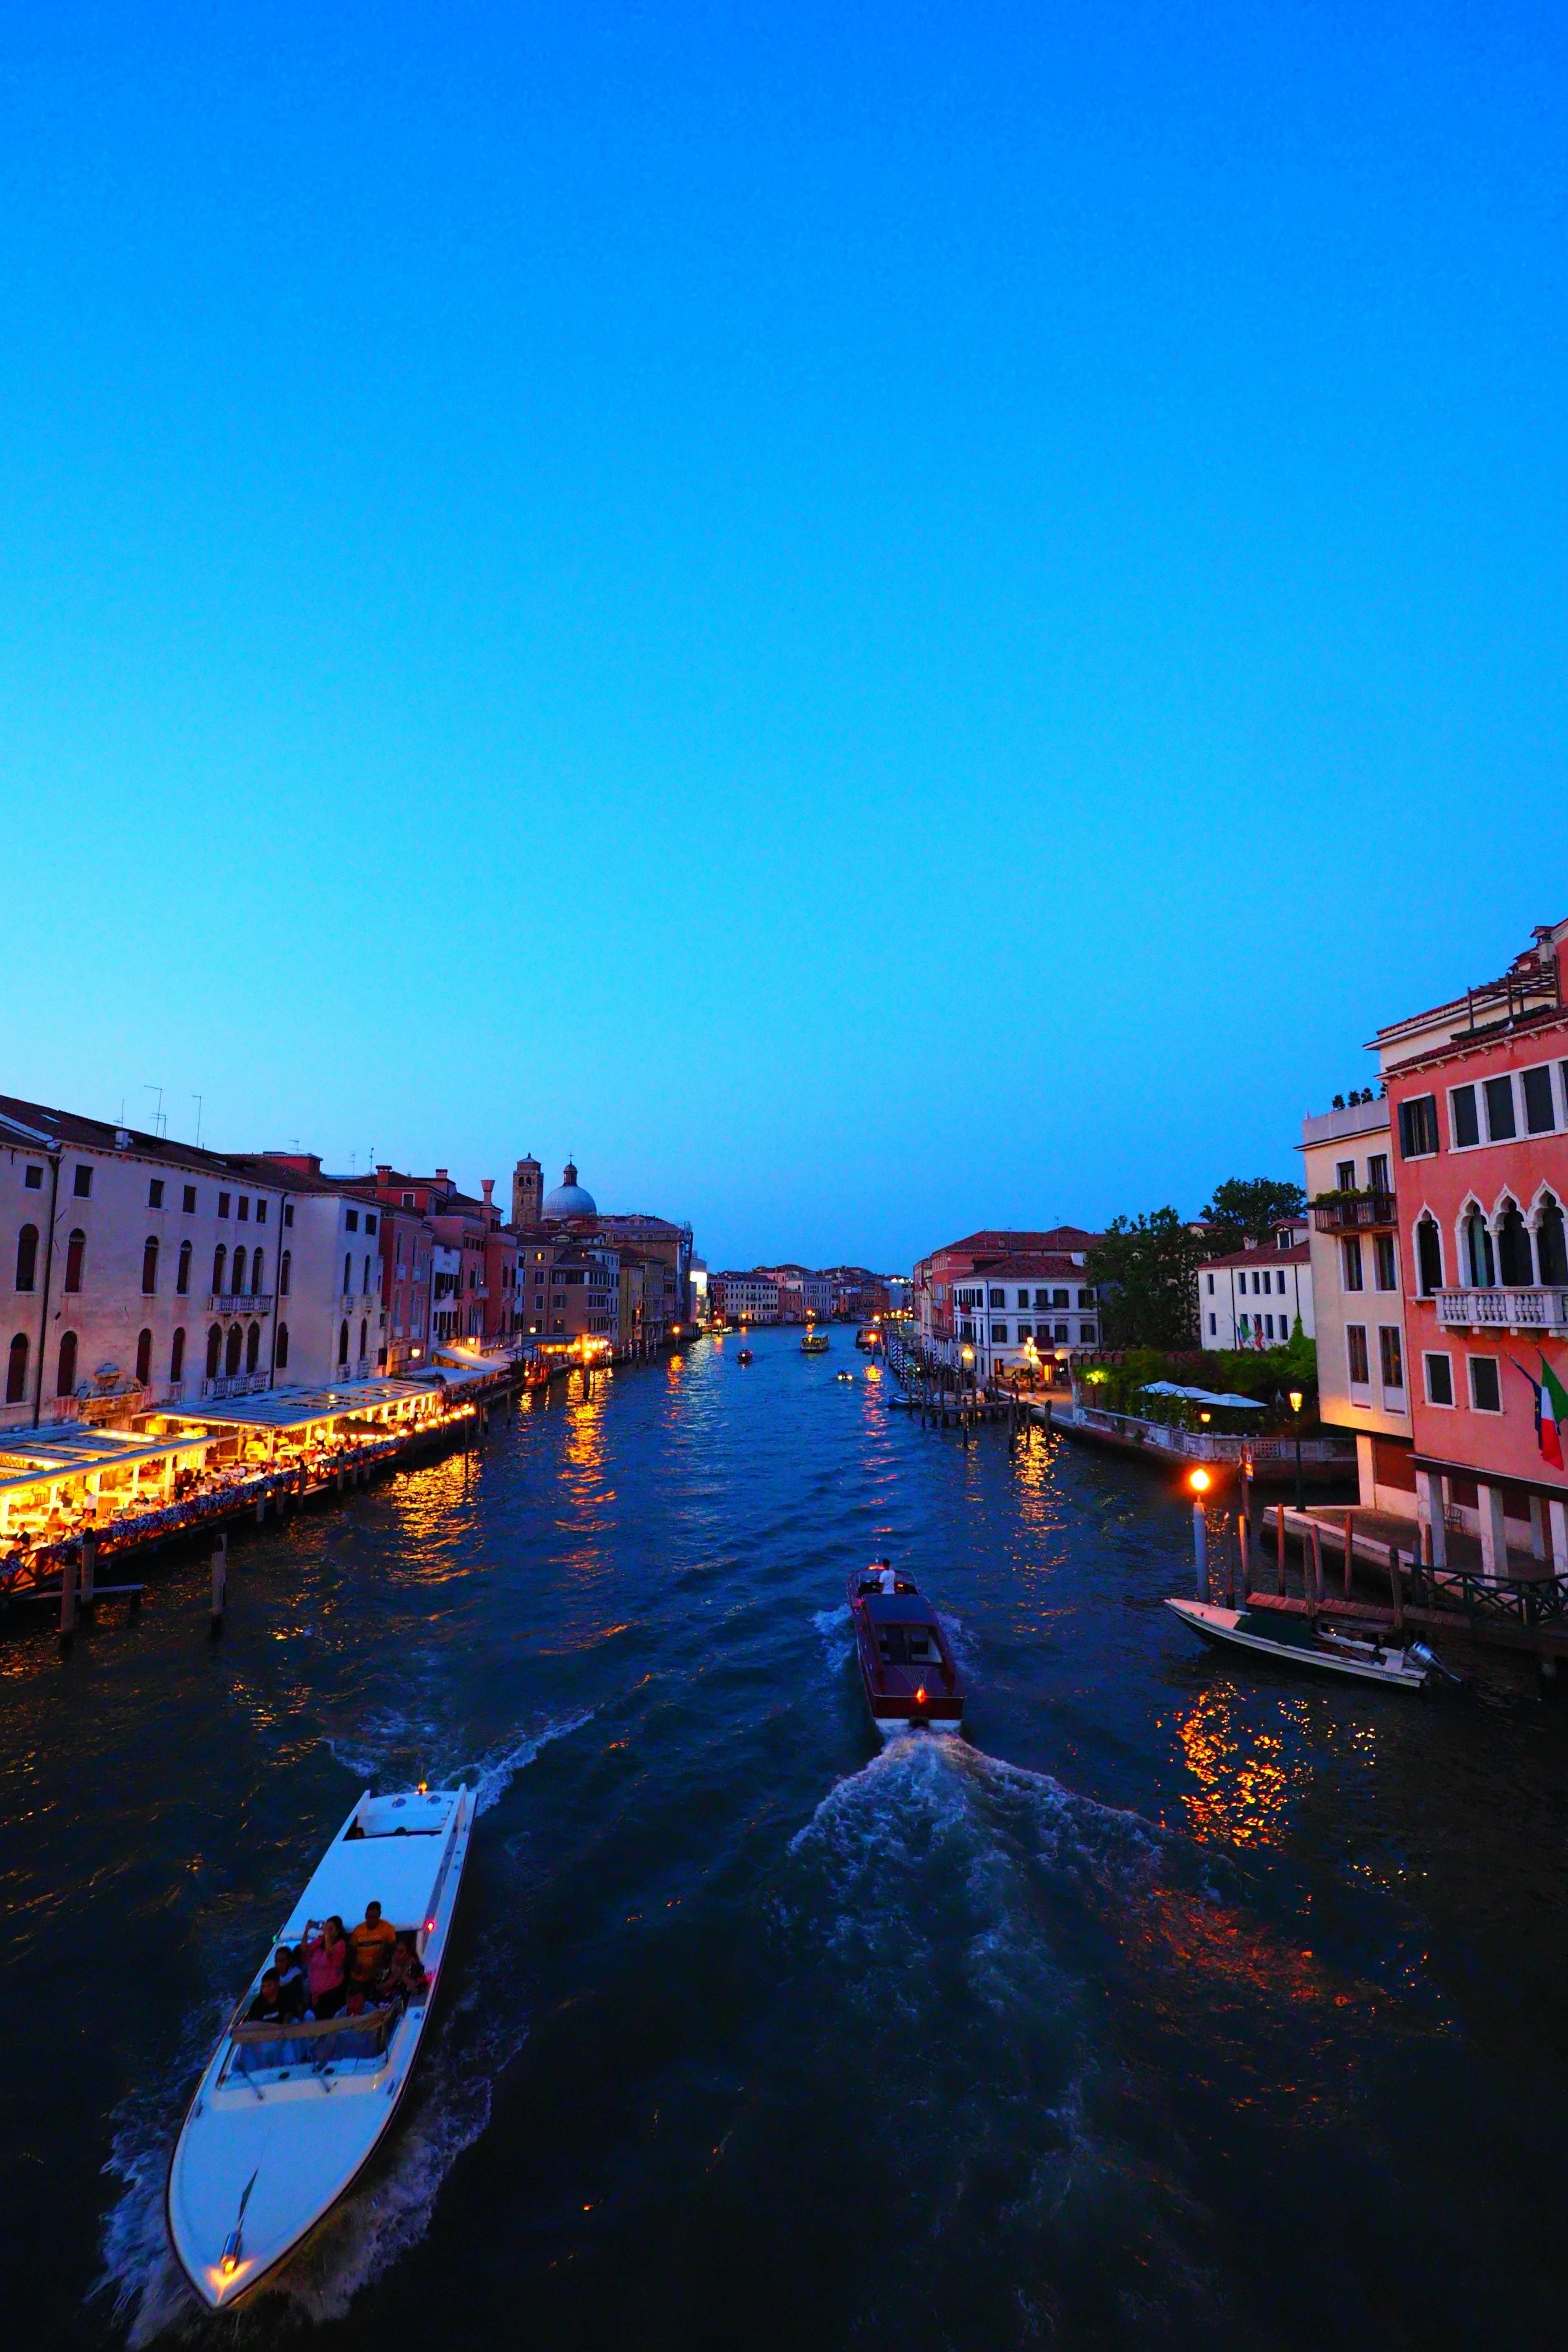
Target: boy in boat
x: 268, y: 2008
x: 371, y: 1948
x: 291, y: 1981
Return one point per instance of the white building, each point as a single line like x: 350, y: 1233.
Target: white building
x: 746, y: 1298
x: 1254, y: 1296
x: 1359, y: 1288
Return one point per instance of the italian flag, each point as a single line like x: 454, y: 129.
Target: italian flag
x: 1551, y: 1410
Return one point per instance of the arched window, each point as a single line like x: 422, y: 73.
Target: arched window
x: 257, y: 1272
x: 253, y: 1347
x: 366, y: 1283
x: 348, y: 1275
x: 231, y: 1352
x: 1551, y: 1242
x: 236, y: 1279
x: 177, y: 1355
x: 27, y: 1257
x: 1429, y: 1257
x: 214, y: 1351
x: 150, y: 1266
x: 1481, y: 1266
x: 364, y: 1337
x: 65, y: 1376
x: 1515, y: 1262
x: 143, y: 1358
x: 220, y: 1267
x: 183, y: 1271
x: 343, y: 1343
x: 282, y: 1346
x: 16, y: 1371
x: 76, y: 1261
x: 285, y: 1268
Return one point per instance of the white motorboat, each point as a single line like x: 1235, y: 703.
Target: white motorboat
x: 1325, y: 1649
x: 286, y: 2114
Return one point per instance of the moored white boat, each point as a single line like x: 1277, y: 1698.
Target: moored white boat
x: 286, y: 2115
x: 1293, y: 1642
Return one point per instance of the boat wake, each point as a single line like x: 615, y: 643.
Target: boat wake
x: 446, y: 2109
x: 837, y: 1637
x: 393, y: 1749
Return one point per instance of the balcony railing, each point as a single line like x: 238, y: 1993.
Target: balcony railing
x: 233, y: 1384
x: 240, y: 1302
x: 1503, y: 1310
x: 1355, y: 1213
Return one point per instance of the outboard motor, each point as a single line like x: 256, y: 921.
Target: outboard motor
x: 1429, y: 1658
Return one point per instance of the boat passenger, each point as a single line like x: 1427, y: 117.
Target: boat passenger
x: 347, y: 2046
x: 266, y: 2008
x: 326, y: 1964
x: 291, y: 1987
x: 406, y: 1972
x: 370, y: 1947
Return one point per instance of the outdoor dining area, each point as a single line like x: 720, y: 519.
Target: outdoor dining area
x: 126, y: 1487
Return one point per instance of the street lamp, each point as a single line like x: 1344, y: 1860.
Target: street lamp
x: 1198, y: 1480
x: 1297, y: 1401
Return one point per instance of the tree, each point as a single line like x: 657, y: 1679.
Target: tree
x: 1249, y: 1208
x: 1146, y: 1274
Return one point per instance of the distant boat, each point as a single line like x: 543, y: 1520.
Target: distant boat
x: 869, y: 1339
x: 845, y: 1376
x: 907, y: 1667
x: 1296, y: 1642
x: 288, y: 2114
x: 744, y: 1357
x: 814, y: 1343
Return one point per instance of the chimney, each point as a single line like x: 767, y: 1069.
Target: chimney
x: 487, y: 1187
x: 441, y: 1176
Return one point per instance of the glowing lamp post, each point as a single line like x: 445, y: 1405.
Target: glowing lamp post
x: 1198, y: 1480
x: 1297, y: 1401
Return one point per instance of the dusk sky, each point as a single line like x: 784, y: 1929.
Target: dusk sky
x: 876, y: 619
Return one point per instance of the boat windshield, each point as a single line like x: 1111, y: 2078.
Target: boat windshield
x: 312, y: 2045
x: 909, y: 1645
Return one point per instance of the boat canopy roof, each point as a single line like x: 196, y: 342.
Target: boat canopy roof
x: 900, y: 1609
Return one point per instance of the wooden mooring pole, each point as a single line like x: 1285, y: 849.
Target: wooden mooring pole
x: 88, y: 1565
x: 68, y: 1604
x: 220, y: 1584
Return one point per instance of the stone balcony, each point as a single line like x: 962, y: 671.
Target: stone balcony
x: 1503, y: 1310
x: 240, y: 1302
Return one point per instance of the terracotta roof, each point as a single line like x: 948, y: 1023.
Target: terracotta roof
x: 98, y: 1134
x: 998, y: 1242
x: 1300, y: 1254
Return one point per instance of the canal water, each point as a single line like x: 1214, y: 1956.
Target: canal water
x: 1179, y: 2007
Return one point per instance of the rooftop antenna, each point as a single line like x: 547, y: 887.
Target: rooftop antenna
x: 197, y: 1100
x: 160, y: 1122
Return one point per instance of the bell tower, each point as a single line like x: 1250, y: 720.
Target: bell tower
x: 526, y: 1191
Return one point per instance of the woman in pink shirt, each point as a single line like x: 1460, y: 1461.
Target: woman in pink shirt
x: 325, y: 1964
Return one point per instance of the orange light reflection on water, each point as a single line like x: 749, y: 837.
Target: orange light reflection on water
x: 1241, y: 1769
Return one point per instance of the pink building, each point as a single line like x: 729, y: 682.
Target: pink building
x: 1478, y: 1097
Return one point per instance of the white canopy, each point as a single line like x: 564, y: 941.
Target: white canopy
x: 1200, y: 1396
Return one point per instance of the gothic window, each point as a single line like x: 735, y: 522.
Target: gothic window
x: 143, y: 1358
x: 27, y: 1257
x: 17, y: 1370
x: 235, y: 1342
x: 282, y: 1346
x: 1514, y: 1261
x: 257, y: 1272
x: 150, y: 1266
x: 177, y: 1355
x: 1551, y: 1242
x: 285, y: 1268
x: 220, y: 1267
x: 236, y: 1280
x: 76, y: 1260
x: 343, y: 1343
x: 64, y: 1376
x: 1429, y: 1257
x: 183, y: 1271
x: 1480, y: 1262
x: 253, y: 1347
x: 214, y: 1351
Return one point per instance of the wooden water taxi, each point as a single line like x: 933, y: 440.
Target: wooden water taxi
x: 907, y: 1666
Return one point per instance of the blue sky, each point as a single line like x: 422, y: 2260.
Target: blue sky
x: 876, y: 619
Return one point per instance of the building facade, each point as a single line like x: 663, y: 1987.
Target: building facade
x: 1359, y: 1297
x: 1478, y: 1104
x: 1011, y: 1298
x: 1254, y: 1297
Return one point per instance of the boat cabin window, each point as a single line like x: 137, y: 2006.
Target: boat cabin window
x: 909, y: 1645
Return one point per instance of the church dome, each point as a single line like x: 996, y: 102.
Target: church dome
x: 569, y: 1199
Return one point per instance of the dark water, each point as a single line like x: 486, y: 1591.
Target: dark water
x: 1181, y: 2008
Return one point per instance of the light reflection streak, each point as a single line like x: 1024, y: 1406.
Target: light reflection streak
x: 1244, y: 1781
